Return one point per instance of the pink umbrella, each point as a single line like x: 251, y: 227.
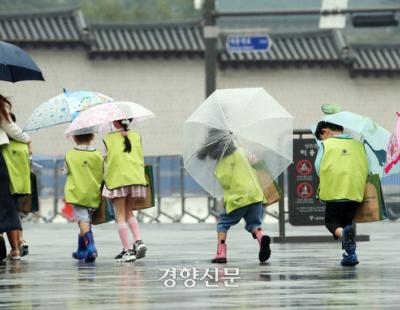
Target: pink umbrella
x: 100, y: 118
x: 393, y: 148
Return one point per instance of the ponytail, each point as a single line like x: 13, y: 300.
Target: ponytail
x: 124, y: 133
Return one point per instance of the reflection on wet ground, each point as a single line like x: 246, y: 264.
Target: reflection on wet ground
x: 177, y: 272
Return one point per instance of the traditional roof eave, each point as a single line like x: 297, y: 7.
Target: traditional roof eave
x: 55, y: 27
x: 322, y: 48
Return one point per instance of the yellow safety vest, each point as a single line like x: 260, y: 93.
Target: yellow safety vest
x: 85, y: 173
x: 123, y: 168
x: 16, y: 156
x: 239, y: 181
x: 343, y: 170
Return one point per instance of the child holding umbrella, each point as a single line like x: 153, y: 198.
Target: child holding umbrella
x: 125, y: 184
x: 342, y: 166
x: 243, y: 196
x: 84, y: 168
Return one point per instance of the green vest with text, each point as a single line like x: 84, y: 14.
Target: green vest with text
x: 343, y: 170
x: 85, y: 173
x: 239, y: 182
x: 123, y: 168
x: 16, y: 156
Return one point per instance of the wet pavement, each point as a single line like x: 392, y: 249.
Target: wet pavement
x: 306, y: 276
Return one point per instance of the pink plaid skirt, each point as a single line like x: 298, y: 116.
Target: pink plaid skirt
x: 135, y: 191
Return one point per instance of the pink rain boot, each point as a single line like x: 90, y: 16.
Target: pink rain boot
x: 263, y: 241
x: 220, y: 258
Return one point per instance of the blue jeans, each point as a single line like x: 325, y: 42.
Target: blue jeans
x: 253, y: 216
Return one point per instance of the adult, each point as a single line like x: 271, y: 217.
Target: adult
x: 9, y: 217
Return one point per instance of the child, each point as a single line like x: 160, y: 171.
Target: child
x: 16, y: 156
x: 84, y: 168
x: 243, y: 196
x: 342, y: 166
x: 125, y: 184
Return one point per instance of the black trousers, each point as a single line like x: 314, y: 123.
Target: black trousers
x: 9, y: 217
x: 339, y: 214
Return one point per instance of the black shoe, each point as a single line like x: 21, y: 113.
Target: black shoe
x: 24, y: 249
x: 219, y: 260
x: 126, y: 256
x: 139, y: 249
x: 265, y: 250
x: 3, y: 249
x: 120, y: 255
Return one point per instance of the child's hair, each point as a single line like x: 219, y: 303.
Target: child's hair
x: 13, y: 118
x: 326, y: 125
x: 219, y: 144
x: 125, y: 123
x: 85, y: 138
x: 5, y: 105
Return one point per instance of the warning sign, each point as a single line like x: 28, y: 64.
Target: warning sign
x: 304, y: 190
x: 304, y: 207
x: 304, y: 167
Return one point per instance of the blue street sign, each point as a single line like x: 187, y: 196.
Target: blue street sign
x: 243, y: 43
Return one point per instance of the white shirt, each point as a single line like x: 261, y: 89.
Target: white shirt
x: 10, y: 129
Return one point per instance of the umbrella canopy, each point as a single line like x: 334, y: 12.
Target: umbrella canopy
x: 248, y: 120
x: 393, y: 148
x: 16, y: 65
x: 374, y: 137
x: 100, y: 118
x: 64, y: 108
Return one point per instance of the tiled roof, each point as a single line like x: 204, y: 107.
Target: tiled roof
x: 368, y: 58
x: 182, y: 38
x: 63, y: 27
x: 67, y: 26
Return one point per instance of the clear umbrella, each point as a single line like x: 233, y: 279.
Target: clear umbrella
x: 246, y: 123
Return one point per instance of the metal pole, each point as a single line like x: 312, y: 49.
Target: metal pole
x: 182, y: 189
x: 281, y: 183
x: 55, y: 200
x: 210, y: 33
x: 158, y: 188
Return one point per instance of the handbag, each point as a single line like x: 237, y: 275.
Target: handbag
x: 103, y: 214
x: 270, y: 188
x: 30, y: 203
x: 372, y: 208
x: 149, y: 201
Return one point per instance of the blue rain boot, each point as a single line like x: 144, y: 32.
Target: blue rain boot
x: 90, y: 246
x: 81, y: 252
x: 349, y: 246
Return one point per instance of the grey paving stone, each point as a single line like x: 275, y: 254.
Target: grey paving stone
x: 298, y: 276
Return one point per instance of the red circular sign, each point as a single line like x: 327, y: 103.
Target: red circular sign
x: 304, y: 167
x: 304, y: 190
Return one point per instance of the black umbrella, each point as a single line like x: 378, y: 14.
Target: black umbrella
x: 16, y: 65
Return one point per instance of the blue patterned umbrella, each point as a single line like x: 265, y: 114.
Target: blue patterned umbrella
x: 64, y: 108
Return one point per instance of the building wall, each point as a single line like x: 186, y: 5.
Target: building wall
x: 303, y: 90
x: 173, y: 88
